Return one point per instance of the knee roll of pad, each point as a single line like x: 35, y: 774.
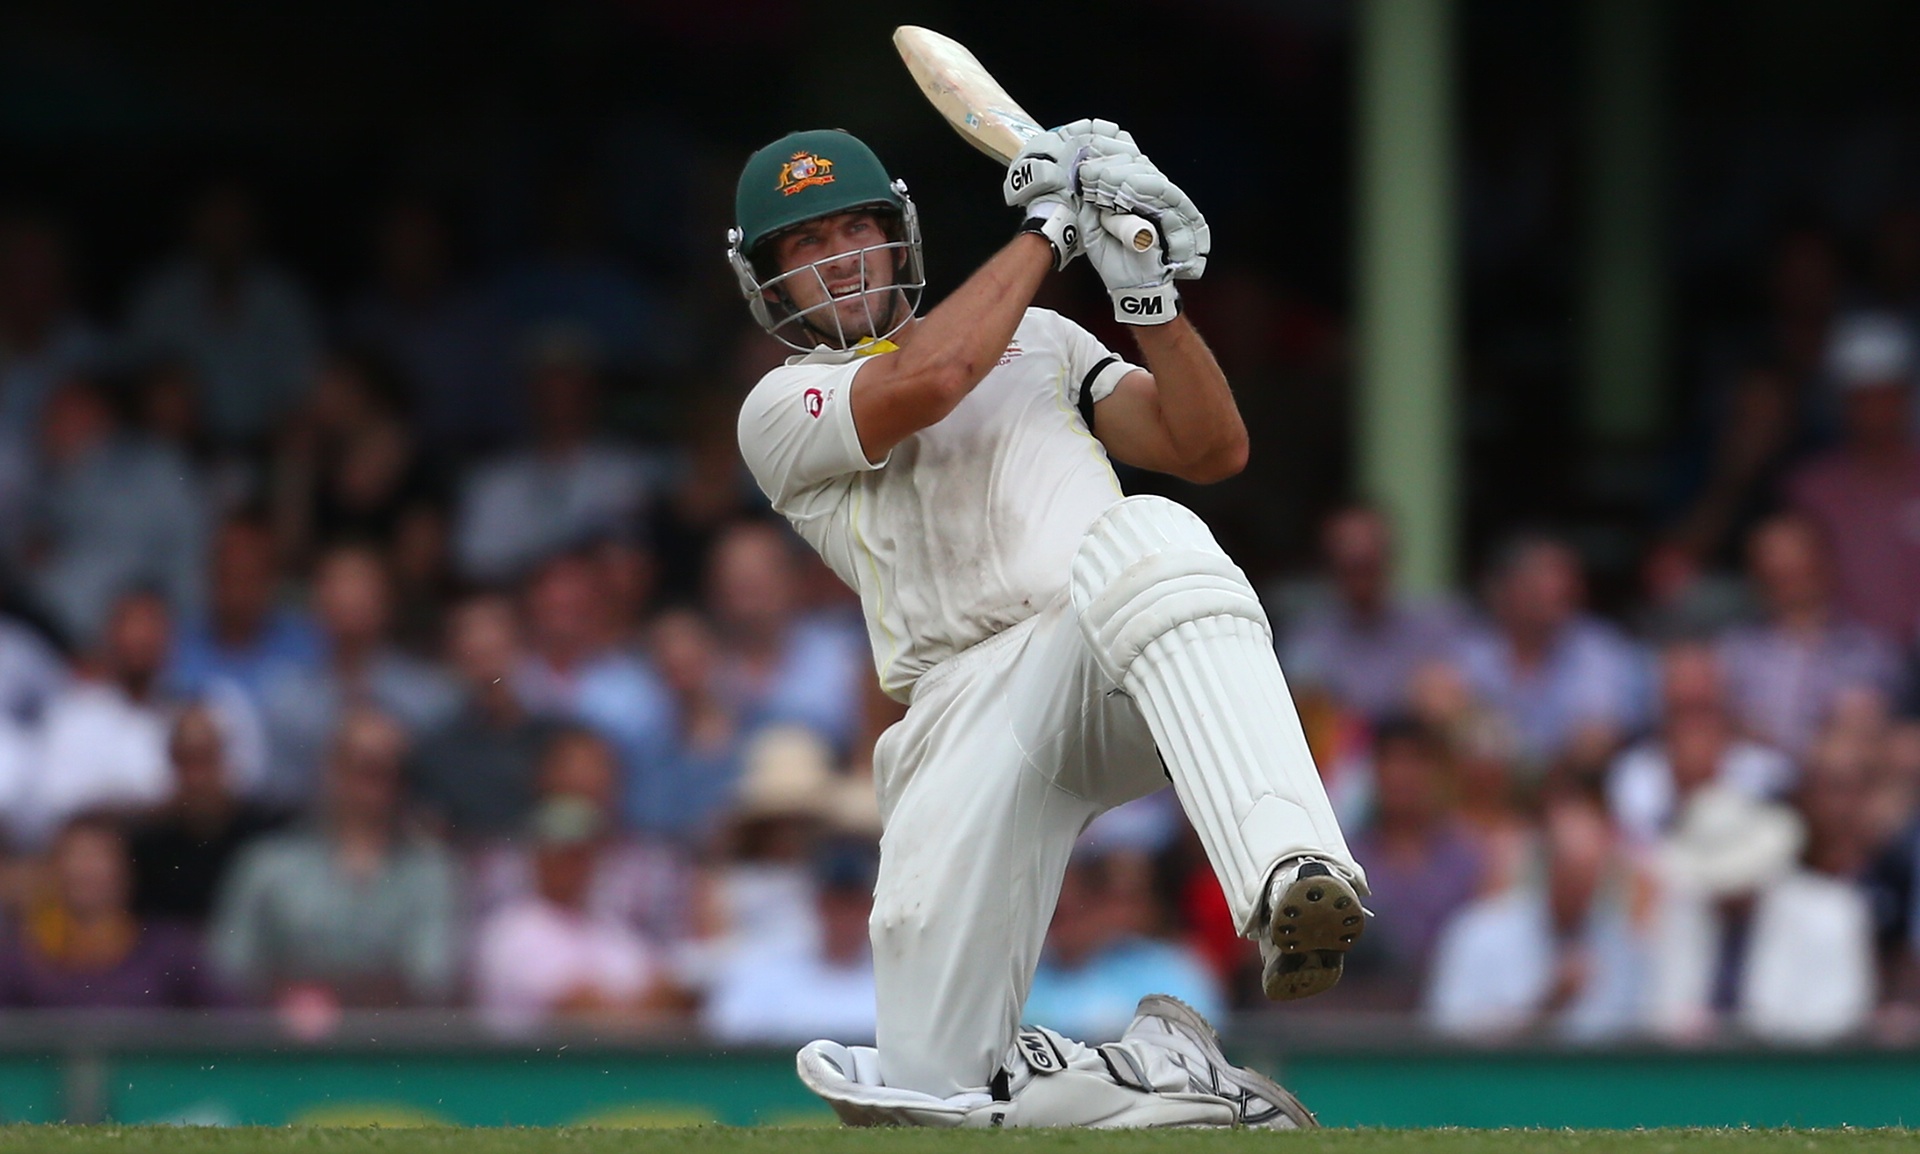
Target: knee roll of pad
x: 1145, y: 567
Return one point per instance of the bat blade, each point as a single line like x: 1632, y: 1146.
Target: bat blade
x: 964, y: 93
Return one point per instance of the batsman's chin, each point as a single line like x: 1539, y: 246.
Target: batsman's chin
x: 860, y: 317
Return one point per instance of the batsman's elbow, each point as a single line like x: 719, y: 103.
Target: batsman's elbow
x: 1217, y: 464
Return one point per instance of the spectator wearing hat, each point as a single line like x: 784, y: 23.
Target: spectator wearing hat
x: 1559, y: 951
x: 1696, y: 744
x: 1785, y: 673
x: 1364, y: 644
x: 1865, y: 494
x: 551, y: 953
x: 1742, y: 924
x: 824, y: 989
x: 761, y: 896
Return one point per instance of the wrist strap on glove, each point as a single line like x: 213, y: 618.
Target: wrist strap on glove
x: 1153, y: 304
x: 1057, y: 223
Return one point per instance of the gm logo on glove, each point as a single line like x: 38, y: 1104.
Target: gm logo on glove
x: 1040, y: 1054
x: 1143, y: 306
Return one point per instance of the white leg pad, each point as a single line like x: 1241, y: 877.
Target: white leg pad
x: 1051, y: 1081
x: 1176, y: 624
x: 848, y: 1077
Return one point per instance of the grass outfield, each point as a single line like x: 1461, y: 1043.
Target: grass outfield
x: 724, y: 1140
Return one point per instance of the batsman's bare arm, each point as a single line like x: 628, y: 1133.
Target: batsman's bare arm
x: 945, y: 354
x: 1179, y: 416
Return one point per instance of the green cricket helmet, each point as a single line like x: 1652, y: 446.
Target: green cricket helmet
x: 804, y: 176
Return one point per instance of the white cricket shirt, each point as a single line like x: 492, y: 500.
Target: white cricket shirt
x: 969, y: 526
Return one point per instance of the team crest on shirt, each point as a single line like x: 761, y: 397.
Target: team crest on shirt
x: 1013, y: 350
x: 814, y: 401
x: 803, y: 170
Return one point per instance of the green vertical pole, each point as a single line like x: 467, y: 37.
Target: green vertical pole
x: 1623, y: 297
x: 1409, y: 440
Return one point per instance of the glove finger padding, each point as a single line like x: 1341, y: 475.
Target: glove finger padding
x: 1100, y: 138
x: 1104, y: 129
x: 1135, y: 185
x: 1177, y: 243
x: 1195, y: 266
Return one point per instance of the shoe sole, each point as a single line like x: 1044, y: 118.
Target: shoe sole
x: 1315, y: 922
x: 1174, y: 1010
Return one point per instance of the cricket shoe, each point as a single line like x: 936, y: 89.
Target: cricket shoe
x: 1314, y: 917
x: 1178, y: 1031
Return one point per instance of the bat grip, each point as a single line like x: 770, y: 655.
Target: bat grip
x: 1137, y: 231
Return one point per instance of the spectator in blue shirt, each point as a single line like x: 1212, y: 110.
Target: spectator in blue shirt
x: 1099, y: 961
x: 248, y: 632
x: 680, y: 786
x: 780, y: 665
x: 1556, y: 673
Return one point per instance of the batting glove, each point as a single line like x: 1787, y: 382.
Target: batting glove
x: 1043, y: 179
x: 1140, y: 283
x: 1133, y: 184
x: 1048, y: 166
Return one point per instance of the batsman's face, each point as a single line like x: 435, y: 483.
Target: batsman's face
x: 852, y: 271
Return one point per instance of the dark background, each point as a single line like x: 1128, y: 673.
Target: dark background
x: 1780, y: 115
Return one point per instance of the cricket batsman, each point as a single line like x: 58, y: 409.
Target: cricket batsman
x: 1061, y: 648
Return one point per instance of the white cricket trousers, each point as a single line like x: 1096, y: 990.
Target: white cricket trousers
x: 1007, y: 751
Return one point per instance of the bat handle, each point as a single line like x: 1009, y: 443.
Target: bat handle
x: 1137, y: 231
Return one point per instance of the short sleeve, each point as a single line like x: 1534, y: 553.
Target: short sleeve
x: 796, y: 429
x: 1093, y: 371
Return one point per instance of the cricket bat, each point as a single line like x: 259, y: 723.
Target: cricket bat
x: 971, y: 100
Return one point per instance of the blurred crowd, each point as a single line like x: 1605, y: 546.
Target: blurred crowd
x: 1695, y: 821
x: 359, y: 656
